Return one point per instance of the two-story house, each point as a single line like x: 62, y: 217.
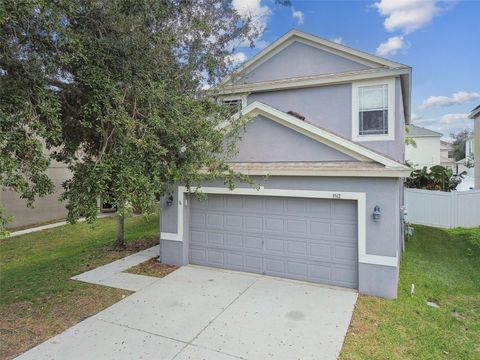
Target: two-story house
x: 325, y: 142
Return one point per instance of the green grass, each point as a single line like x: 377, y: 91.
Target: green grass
x: 444, y: 265
x: 37, y: 297
x: 39, y: 264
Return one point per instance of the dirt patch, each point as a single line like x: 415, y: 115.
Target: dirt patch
x: 153, y: 268
x: 24, y: 325
x: 458, y: 315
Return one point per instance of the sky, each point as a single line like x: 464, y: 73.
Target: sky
x: 440, y: 40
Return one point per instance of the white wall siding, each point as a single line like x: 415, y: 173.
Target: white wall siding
x: 443, y: 209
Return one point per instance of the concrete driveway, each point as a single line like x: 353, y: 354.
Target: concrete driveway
x: 205, y: 313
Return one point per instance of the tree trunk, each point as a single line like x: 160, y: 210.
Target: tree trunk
x: 120, y: 241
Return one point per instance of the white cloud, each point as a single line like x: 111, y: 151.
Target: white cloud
x: 391, y: 46
x: 410, y: 15
x: 459, y: 97
x: 338, y: 40
x: 253, y: 9
x: 236, y: 59
x: 415, y: 117
x: 298, y: 15
x: 452, y: 118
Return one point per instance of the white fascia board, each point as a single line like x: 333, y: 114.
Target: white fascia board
x: 356, y: 151
x: 473, y: 114
x: 385, y: 173
x: 359, y: 197
x: 310, y: 81
x: 330, y: 46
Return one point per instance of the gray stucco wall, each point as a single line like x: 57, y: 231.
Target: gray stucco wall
x: 44, y: 209
x: 330, y: 107
x: 264, y: 140
x: 382, y: 238
x: 299, y: 59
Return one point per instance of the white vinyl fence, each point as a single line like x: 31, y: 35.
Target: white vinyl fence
x: 443, y: 209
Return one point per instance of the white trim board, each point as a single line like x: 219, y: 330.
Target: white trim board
x: 360, y: 197
x: 338, y: 143
x: 310, y: 81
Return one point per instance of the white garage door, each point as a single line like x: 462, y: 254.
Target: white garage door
x: 305, y: 239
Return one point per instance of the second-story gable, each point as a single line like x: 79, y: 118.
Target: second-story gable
x: 300, y: 59
x: 361, y: 97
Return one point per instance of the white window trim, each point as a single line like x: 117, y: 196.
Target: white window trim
x: 360, y: 197
x: 390, y: 82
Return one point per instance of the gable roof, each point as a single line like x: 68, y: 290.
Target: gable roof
x: 326, y: 137
x: 380, y: 67
x: 474, y: 113
x: 417, y: 131
x: 327, y: 45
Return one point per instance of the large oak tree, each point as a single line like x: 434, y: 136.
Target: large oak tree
x: 114, y: 89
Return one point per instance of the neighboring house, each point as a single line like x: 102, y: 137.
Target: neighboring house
x: 472, y: 151
x: 427, y: 149
x: 44, y: 209
x: 330, y: 210
x: 447, y: 157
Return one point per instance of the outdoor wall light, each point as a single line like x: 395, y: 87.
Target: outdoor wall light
x: 376, y: 213
x: 170, y: 200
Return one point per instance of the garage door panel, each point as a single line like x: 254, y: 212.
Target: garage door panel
x: 320, y: 228
x: 298, y: 206
x: 198, y: 218
x: 215, y: 239
x: 321, y: 251
x: 297, y: 248
x: 306, y: 239
x: 253, y: 203
x: 345, y: 253
x: 275, y: 267
x: 234, y: 240
x: 274, y: 204
x: 321, y: 272
x: 198, y: 255
x: 343, y: 210
x: 345, y: 230
x: 198, y: 237
x: 322, y: 209
x: 215, y: 256
x: 274, y: 225
x: 254, y: 243
x: 275, y: 246
x: 297, y: 226
x: 254, y: 263
x: 253, y: 223
x: 345, y: 275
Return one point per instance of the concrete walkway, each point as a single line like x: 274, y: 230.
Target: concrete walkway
x: 206, y: 313
x: 51, y: 226
x: 112, y: 274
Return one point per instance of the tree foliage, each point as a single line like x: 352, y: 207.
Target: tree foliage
x: 114, y: 90
x: 458, y: 144
x: 438, y: 177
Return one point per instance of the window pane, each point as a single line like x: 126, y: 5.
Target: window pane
x: 373, y: 122
x: 373, y: 97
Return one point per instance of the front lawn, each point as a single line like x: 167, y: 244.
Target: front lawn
x: 37, y: 299
x: 444, y: 265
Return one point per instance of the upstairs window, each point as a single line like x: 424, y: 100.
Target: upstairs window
x: 373, y: 110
